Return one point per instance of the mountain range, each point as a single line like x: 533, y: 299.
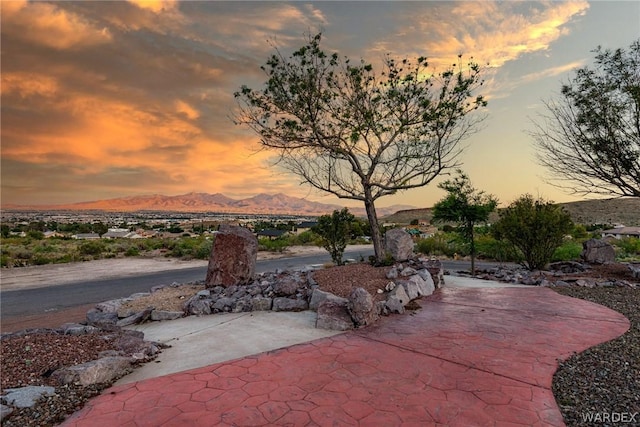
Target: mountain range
x: 205, y: 202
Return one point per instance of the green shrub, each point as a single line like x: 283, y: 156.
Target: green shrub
x: 489, y: 247
x: 92, y: 247
x: 132, y: 251
x: 275, y: 245
x: 447, y: 244
x: 570, y: 250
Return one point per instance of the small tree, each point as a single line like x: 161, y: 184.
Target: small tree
x: 360, y: 133
x: 335, y: 230
x: 590, y: 140
x: 465, y: 206
x: 536, y: 228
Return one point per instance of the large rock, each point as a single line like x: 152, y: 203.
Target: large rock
x: 318, y: 296
x: 26, y: 397
x: 333, y: 315
x: 399, y: 244
x: 596, y: 251
x: 361, y: 307
x: 98, y: 371
x: 289, y: 304
x: 233, y: 257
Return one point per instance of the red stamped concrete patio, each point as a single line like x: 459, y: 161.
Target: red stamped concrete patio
x: 469, y: 357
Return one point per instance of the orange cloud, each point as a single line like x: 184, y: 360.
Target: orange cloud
x: 155, y: 6
x: 47, y: 25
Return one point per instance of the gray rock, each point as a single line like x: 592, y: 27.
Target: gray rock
x: 394, y: 304
x: 100, y: 319
x: 399, y: 244
x: 410, y: 287
x: 26, y: 397
x: 77, y: 329
x: 160, y: 315
x: 400, y: 294
x: 408, y: 271
x: 392, y: 273
x: 260, y: 303
x: 94, y: 372
x: 242, y: 305
x: 595, y: 251
x: 289, y: 304
x: 318, y: 296
x: 136, y: 318
x: 333, y: 315
x: 361, y: 307
x: 111, y: 306
x: 197, y: 306
x: 429, y: 286
x: 206, y: 293
x: 286, y: 286
x: 224, y: 304
x: 233, y: 257
x: 435, y: 269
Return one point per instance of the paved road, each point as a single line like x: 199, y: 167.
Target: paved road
x: 55, y: 298
x: 40, y: 300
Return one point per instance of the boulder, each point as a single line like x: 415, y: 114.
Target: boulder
x: 98, y: 371
x: 197, y: 305
x: 260, y: 303
x: 100, y: 319
x: 286, y: 286
x: 399, y: 244
x: 318, y: 296
x: 289, y: 304
x: 595, y: 251
x: 136, y: 318
x: 233, y: 257
x: 333, y: 315
x: 361, y: 307
x: 436, y: 271
x: 26, y: 397
x: 160, y: 315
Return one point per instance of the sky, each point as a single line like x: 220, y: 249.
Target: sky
x: 110, y: 99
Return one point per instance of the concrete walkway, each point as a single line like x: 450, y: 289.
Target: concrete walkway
x: 470, y: 357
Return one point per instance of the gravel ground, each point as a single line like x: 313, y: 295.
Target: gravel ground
x: 603, y: 379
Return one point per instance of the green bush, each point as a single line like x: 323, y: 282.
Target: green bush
x: 627, y: 248
x: 132, y: 251
x: 489, y: 247
x: 275, y: 245
x: 92, y: 247
x: 570, y: 250
x: 446, y: 244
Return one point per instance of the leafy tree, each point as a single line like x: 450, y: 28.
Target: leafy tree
x: 534, y: 227
x: 590, y: 139
x: 465, y: 206
x: 357, y: 133
x: 335, y: 230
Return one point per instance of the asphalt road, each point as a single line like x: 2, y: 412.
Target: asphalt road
x: 40, y: 300
x: 60, y: 297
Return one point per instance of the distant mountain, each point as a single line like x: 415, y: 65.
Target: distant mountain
x: 624, y: 211
x: 204, y: 202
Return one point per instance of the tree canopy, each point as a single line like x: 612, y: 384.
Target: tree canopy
x: 534, y: 227
x: 590, y: 139
x: 465, y: 206
x: 358, y: 133
x: 335, y: 231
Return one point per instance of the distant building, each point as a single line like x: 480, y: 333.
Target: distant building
x: 271, y: 233
x: 121, y: 233
x: 86, y: 236
x: 620, y: 232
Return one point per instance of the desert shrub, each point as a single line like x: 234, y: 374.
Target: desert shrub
x: 275, y: 245
x: 132, y: 251
x: 447, y: 244
x: 203, y: 249
x: 570, y: 250
x: 535, y: 227
x: 92, y: 247
x: 491, y: 248
x: 628, y: 248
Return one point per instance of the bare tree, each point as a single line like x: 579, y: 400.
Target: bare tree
x: 590, y: 139
x: 357, y: 134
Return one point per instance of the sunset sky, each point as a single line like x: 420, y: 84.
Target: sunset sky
x: 109, y: 99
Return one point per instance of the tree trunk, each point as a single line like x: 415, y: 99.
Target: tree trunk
x: 376, y: 237
x: 473, y: 252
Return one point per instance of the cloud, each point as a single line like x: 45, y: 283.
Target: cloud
x: 491, y: 32
x: 48, y: 25
x: 155, y: 6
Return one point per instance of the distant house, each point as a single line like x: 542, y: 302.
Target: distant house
x: 271, y: 233
x: 305, y: 226
x: 121, y: 233
x: 620, y: 232
x: 86, y: 236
